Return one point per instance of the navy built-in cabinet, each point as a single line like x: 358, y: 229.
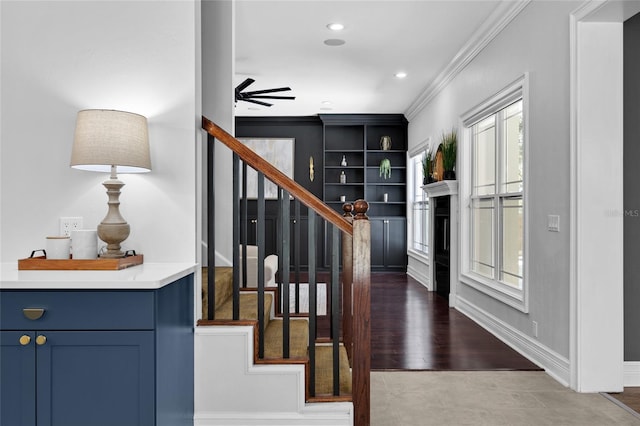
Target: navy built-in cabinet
x: 97, y: 357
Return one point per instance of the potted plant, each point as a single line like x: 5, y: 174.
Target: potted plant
x: 385, y: 168
x: 427, y: 168
x: 449, y: 147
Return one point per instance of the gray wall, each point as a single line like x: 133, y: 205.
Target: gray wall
x: 536, y: 41
x: 631, y: 189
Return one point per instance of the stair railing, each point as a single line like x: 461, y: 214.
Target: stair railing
x: 350, y: 291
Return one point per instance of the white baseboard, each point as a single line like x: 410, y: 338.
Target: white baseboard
x: 553, y: 363
x: 335, y: 414
x: 418, y: 271
x: 631, y: 373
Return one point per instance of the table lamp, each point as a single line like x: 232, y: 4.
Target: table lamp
x: 111, y: 141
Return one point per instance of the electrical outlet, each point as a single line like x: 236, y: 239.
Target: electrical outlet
x: 68, y: 224
x: 535, y: 328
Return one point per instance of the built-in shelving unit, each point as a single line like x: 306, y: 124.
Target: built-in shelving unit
x: 357, y: 138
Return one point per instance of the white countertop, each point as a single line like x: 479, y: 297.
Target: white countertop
x: 148, y: 276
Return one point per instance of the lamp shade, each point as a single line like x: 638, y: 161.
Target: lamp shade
x: 105, y: 138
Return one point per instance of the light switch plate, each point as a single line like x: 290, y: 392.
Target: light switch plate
x: 553, y: 223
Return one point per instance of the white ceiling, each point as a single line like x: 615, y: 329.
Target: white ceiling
x: 280, y: 43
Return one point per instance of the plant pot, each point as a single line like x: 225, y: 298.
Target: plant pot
x: 449, y: 175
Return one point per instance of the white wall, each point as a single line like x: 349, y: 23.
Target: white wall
x: 218, y: 64
x: 60, y: 57
x: 536, y: 41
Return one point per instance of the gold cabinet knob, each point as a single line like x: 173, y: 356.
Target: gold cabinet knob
x: 41, y: 340
x: 25, y: 340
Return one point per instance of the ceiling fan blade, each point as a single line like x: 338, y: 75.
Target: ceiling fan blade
x: 270, y: 97
x: 244, y: 85
x: 260, y: 92
x: 255, y: 102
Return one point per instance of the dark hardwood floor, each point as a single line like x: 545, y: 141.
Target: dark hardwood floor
x: 414, y: 329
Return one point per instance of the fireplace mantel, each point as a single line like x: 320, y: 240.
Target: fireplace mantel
x: 441, y: 188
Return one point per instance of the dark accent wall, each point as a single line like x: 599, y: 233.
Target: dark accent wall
x: 631, y: 189
x: 307, y: 132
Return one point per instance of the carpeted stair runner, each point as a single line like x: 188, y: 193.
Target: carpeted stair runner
x: 298, y: 331
x: 324, y: 370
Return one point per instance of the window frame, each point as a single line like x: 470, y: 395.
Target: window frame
x: 418, y: 150
x: 516, y: 298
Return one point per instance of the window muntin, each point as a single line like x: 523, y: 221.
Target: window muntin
x: 484, y: 148
x: 513, y: 149
x: 512, y: 215
x: 482, y: 246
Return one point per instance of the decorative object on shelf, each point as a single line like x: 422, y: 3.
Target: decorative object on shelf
x: 343, y: 177
x: 449, y: 147
x: 111, y: 141
x: 58, y: 248
x: 311, y: 172
x: 385, y: 197
x: 385, y: 143
x: 84, y: 244
x: 427, y: 167
x: 343, y: 163
x: 343, y: 198
x: 385, y: 168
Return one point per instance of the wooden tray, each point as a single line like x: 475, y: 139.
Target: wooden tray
x: 41, y: 263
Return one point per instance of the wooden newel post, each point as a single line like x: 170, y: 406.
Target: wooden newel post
x: 361, y: 314
x: 347, y: 284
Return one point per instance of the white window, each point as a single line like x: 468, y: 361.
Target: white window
x: 494, y: 195
x: 418, y: 207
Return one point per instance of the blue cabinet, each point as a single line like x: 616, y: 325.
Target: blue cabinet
x: 17, y: 378
x: 97, y: 357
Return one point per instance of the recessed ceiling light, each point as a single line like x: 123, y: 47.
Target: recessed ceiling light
x: 334, y: 42
x: 253, y: 109
x: 326, y: 102
x: 401, y: 74
x: 335, y: 26
x: 326, y: 109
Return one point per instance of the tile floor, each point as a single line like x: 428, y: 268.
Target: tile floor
x: 492, y: 398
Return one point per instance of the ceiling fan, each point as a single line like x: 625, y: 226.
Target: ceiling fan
x: 258, y: 94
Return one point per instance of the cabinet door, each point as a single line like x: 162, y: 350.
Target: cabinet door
x: 388, y: 243
x: 95, y: 378
x: 377, y: 243
x: 17, y: 379
x: 396, y: 243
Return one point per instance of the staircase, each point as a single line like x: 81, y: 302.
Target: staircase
x: 273, y: 332
x: 258, y: 363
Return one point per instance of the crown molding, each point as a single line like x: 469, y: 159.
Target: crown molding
x: 502, y: 15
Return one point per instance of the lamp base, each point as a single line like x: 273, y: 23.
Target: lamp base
x: 114, y: 229
x: 113, y: 234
